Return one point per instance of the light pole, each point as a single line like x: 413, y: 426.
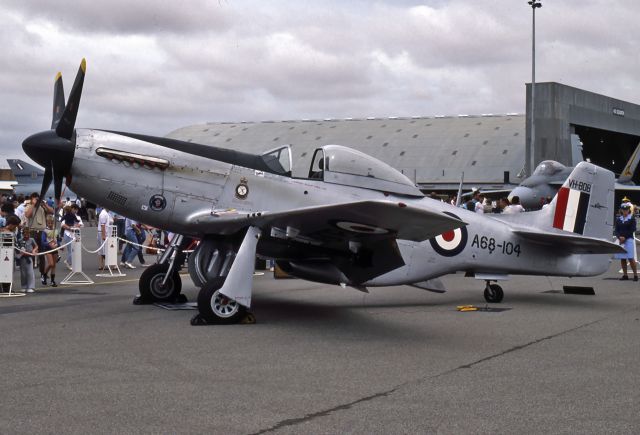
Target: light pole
x: 531, y: 154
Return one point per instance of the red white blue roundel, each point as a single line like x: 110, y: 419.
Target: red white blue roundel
x: 450, y: 243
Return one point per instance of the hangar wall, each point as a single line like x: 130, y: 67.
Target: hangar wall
x: 434, y: 151
x: 563, y: 110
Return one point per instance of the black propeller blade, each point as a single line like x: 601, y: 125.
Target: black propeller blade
x: 58, y: 101
x: 68, y: 119
x: 54, y: 149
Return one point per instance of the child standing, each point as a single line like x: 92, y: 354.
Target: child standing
x: 30, y: 248
x: 49, y: 241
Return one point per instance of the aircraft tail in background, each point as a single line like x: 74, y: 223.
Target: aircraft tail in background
x: 23, y: 171
x: 630, y: 168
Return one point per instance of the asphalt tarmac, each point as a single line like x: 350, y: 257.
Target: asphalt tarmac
x: 322, y: 359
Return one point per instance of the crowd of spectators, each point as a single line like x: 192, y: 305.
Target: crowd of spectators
x: 36, y: 229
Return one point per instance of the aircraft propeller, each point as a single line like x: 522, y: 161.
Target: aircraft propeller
x: 54, y: 149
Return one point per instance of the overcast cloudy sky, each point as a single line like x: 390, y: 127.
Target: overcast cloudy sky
x: 154, y: 66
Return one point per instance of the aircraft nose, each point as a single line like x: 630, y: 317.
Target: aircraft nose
x: 47, y: 148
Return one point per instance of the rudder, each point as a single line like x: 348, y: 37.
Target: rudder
x: 584, y: 203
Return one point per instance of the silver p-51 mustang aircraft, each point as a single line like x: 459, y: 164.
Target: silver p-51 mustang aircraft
x: 354, y: 221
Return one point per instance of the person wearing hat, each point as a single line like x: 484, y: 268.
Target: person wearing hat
x: 625, y: 229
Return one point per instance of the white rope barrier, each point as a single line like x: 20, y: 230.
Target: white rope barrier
x: 188, y: 251
x: 45, y: 252
x: 139, y: 245
x: 94, y: 252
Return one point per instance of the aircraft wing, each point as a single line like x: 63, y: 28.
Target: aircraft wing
x: 364, y: 219
x: 570, y: 242
x: 372, y: 219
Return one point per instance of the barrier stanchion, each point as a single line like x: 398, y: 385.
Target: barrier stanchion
x: 111, y: 254
x: 6, y: 264
x: 76, y: 264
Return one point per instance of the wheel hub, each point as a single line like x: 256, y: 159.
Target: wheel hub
x: 222, y: 306
x: 158, y: 289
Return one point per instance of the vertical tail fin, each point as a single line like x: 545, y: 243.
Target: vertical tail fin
x: 630, y: 168
x: 584, y: 203
x: 21, y: 168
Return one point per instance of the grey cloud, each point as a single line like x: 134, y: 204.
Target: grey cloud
x: 126, y: 16
x: 229, y: 60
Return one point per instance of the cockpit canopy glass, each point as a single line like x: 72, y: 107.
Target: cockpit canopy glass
x: 549, y: 167
x: 279, y: 160
x: 341, y: 165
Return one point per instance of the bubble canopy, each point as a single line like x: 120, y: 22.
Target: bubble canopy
x: 342, y: 165
x: 548, y: 167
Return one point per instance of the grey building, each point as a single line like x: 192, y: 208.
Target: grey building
x: 608, y: 129
x: 434, y: 151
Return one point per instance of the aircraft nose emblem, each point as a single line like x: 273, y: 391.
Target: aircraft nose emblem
x: 242, y: 189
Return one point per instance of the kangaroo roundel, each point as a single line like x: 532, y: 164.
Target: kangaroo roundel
x: 451, y: 242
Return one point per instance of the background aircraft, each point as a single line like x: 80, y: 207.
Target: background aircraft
x: 353, y: 221
x: 549, y: 175
x: 29, y: 179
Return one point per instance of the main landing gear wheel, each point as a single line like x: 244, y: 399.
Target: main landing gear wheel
x: 216, y: 308
x: 493, y: 293
x: 151, y: 288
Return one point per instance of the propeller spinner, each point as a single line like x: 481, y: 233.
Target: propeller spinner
x: 54, y: 149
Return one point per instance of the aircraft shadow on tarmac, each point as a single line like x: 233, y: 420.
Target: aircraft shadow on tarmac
x: 346, y: 320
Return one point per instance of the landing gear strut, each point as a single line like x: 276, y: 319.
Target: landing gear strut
x: 493, y: 293
x: 161, y: 282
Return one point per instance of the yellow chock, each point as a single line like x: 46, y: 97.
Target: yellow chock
x: 465, y: 308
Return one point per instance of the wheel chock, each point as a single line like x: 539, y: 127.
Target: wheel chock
x: 248, y: 319
x: 181, y: 299
x: 198, y: 320
x: 139, y: 300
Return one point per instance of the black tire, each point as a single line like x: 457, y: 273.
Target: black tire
x: 493, y: 294
x: 217, y: 308
x: 150, y: 284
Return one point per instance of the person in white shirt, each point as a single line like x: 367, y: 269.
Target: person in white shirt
x: 479, y: 204
x: 515, y: 206
x: 105, y: 222
x: 70, y: 220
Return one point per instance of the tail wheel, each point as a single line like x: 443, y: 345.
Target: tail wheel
x: 493, y: 293
x: 214, y: 307
x: 151, y: 287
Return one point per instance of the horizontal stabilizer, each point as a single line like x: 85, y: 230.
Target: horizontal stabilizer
x: 570, y: 242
